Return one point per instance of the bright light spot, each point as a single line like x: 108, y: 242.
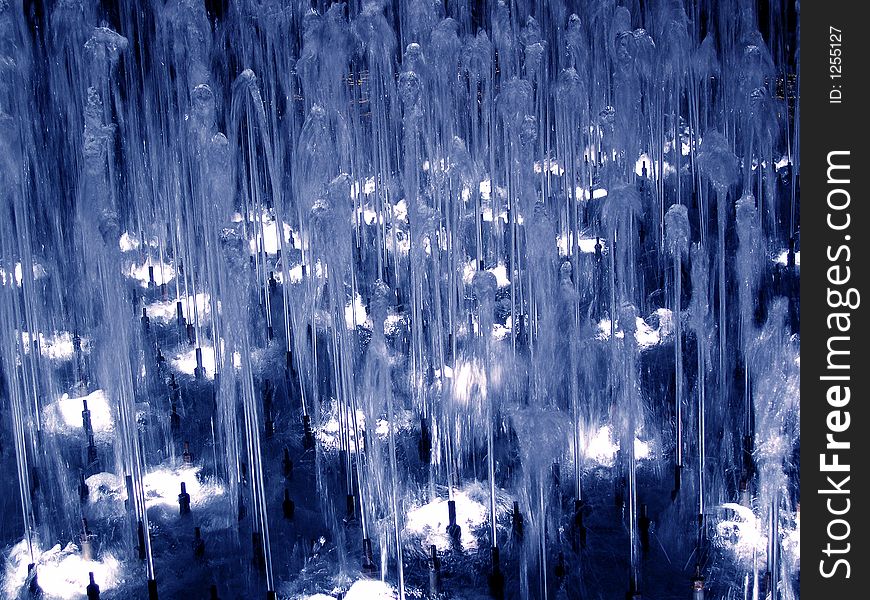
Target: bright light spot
x: 685, y: 148
x: 643, y: 160
x: 641, y: 449
x: 128, y: 242
x: 469, y: 382
x: 583, y: 194
x: 400, y: 211
x: 355, y: 314
x: 500, y: 272
x: 500, y: 332
x: 402, y: 420
x: 429, y: 522
x: 295, y: 274
x: 602, y: 446
x: 330, y: 432
x: 18, y: 274
x: 587, y: 245
x: 584, y: 245
x: 58, y: 346
x: 65, y: 415
x: 62, y: 573
x: 782, y: 162
x: 163, y: 273
x: 645, y: 335
x: 743, y: 535
x: 486, y: 189
x: 370, y: 589
x: 267, y: 240
x: 163, y: 485
x: 448, y: 372
x: 186, y: 362
x: 782, y: 258
x: 369, y: 216
x: 466, y: 194
x: 392, y: 324
x: 652, y: 168
x: 369, y: 186
x: 551, y: 165
x: 166, y: 311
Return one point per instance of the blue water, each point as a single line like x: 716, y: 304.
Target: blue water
x: 342, y: 270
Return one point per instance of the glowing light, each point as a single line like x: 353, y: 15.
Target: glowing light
x: 551, y: 165
x: 643, y: 161
x: 583, y: 194
x: 355, y: 314
x: 584, y: 245
x: 127, y: 242
x: 165, y: 311
x: 294, y: 273
x: 163, y: 273
x: 642, y: 450
x: 369, y: 215
x: 17, y: 275
x: 587, y: 245
x: 429, y: 522
x: 652, y: 167
x: 393, y: 323
x: 743, y: 535
x: 782, y: 258
x: 645, y: 335
x: 65, y: 415
x: 267, y: 240
x: 402, y: 422
x: 500, y: 332
x: 486, y: 189
x: 62, y: 573
x: 501, y: 277
x: 186, y: 362
x: 400, y: 211
x: 601, y: 447
x: 370, y: 589
x: 58, y: 346
x: 469, y: 382
x: 330, y: 432
x: 500, y: 272
x: 162, y: 486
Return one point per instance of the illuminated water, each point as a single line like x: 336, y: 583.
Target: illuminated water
x: 412, y: 299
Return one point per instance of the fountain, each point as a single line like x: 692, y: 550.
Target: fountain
x: 399, y: 299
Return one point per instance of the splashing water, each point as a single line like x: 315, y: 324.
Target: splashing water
x: 399, y: 299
